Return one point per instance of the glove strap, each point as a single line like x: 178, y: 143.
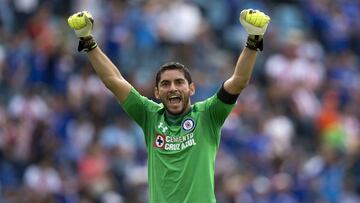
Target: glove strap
x: 255, y: 42
x: 87, y: 44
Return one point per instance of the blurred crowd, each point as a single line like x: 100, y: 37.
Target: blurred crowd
x: 294, y: 135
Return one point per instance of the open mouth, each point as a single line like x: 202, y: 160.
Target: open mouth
x: 174, y: 99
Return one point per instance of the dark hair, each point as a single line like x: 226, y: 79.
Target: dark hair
x: 173, y: 66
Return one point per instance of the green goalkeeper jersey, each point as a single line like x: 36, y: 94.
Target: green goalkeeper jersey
x: 181, y: 151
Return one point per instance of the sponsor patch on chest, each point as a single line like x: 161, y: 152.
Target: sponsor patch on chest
x: 174, y: 143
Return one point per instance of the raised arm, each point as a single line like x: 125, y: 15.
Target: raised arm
x: 82, y: 23
x: 255, y: 23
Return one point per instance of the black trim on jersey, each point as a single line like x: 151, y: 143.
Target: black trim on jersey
x: 226, y: 97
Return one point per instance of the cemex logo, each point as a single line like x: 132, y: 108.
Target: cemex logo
x: 159, y: 142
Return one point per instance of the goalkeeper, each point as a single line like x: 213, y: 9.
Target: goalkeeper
x: 182, y: 139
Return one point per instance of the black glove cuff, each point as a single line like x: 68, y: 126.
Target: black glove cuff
x: 87, y: 44
x: 254, y: 42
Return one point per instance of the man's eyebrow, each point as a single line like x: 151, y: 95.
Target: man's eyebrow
x: 177, y: 79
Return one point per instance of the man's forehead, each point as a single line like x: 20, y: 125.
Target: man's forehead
x: 172, y: 75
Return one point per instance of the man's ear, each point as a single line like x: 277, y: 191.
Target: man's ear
x: 192, y: 89
x: 156, y: 93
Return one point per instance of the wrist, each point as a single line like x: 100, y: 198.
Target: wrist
x: 87, y: 43
x: 255, y: 42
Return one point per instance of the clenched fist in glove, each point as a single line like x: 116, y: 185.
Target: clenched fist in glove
x: 255, y: 23
x: 82, y: 23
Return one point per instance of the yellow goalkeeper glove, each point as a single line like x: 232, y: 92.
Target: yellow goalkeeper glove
x: 82, y: 23
x: 255, y: 23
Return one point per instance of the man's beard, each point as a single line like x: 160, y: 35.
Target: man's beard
x: 185, y: 104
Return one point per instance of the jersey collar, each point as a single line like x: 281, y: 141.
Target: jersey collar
x: 175, y: 119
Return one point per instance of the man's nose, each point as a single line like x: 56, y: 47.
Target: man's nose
x: 173, y: 86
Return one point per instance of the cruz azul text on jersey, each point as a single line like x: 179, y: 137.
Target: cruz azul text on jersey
x: 174, y: 143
